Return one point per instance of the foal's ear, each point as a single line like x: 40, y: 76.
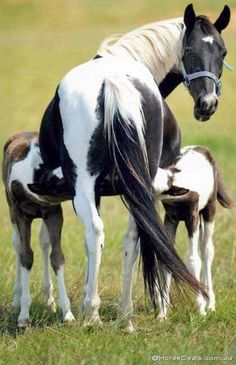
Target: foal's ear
x: 223, y: 20
x: 189, y: 16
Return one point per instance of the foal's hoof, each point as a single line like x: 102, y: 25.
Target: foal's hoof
x: 68, y: 317
x: 211, y: 308
x: 94, y: 321
x: 23, y: 323
x: 203, y: 313
x: 161, y: 317
x: 52, y: 307
x: 125, y: 325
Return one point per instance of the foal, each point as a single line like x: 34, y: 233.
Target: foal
x: 22, y: 166
x: 192, y: 199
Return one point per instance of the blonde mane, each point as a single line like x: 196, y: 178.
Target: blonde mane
x: 157, y: 45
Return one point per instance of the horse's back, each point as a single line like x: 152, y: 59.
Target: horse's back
x: 196, y: 172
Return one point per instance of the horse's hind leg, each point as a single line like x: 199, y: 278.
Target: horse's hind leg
x: 17, y: 283
x: 48, y: 285
x: 54, y: 222
x: 171, y: 227
x: 85, y: 206
x: 26, y: 261
x: 193, y: 227
x: 131, y: 251
x: 208, y: 256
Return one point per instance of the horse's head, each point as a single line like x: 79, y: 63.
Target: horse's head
x: 202, y: 61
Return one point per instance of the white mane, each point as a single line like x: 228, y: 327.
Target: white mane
x: 157, y: 45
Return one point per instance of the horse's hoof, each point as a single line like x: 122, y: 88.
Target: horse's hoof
x: 211, y: 308
x: 23, y: 323
x: 203, y: 313
x: 129, y: 328
x: 162, y: 317
x: 94, y: 321
x: 125, y: 325
x: 52, y: 307
x: 68, y: 317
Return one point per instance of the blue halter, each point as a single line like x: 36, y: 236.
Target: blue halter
x: 196, y: 75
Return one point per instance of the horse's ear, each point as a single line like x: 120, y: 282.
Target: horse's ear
x: 189, y: 16
x: 223, y: 20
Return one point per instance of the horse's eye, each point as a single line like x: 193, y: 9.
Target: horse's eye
x: 188, y: 52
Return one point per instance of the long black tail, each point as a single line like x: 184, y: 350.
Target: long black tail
x: 222, y: 195
x: 123, y: 125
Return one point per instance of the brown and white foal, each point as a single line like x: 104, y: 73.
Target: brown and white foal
x: 194, y: 187
x: 22, y: 165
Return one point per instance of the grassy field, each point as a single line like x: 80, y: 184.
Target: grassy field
x: 40, y: 41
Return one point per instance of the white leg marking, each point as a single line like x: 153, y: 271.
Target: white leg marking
x: 164, y: 304
x: 63, y: 301
x: 48, y: 285
x: 131, y: 251
x: 17, y: 284
x: 208, y: 256
x: 195, y: 267
x: 23, y: 318
x: 84, y: 203
x: 171, y: 228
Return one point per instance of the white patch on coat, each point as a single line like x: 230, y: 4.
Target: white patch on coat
x: 161, y: 180
x: 208, y: 39
x: 196, y: 174
x: 58, y: 172
x: 23, y: 170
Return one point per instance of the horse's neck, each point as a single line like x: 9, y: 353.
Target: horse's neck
x: 170, y: 83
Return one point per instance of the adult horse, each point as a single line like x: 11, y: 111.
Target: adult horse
x: 103, y: 119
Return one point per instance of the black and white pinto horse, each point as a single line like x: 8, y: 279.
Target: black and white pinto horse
x: 107, y: 116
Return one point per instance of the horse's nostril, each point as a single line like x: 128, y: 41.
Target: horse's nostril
x: 199, y: 102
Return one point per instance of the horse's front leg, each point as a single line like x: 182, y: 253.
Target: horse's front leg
x: 54, y: 222
x: 44, y: 241
x: 85, y: 206
x: 23, y: 223
x: 17, y: 283
x: 130, y: 251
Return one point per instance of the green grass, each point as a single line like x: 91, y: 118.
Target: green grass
x: 40, y: 41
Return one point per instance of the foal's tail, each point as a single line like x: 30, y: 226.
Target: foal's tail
x: 124, y: 126
x: 222, y: 195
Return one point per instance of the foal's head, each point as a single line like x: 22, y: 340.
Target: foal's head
x: 204, y: 50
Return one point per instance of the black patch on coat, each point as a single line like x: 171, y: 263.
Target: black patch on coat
x: 99, y: 159
x: 171, y: 138
x: 97, y: 56
x: 170, y: 82
x: 52, y: 147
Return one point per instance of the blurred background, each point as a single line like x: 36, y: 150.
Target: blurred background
x: 42, y: 40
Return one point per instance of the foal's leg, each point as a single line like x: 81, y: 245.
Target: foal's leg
x: 207, y: 250
x: 131, y: 251
x: 171, y: 227
x: 54, y: 222
x: 48, y: 285
x: 85, y: 207
x: 17, y: 284
x: 193, y: 227
x: 26, y: 261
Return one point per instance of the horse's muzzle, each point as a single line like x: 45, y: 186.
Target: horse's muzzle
x: 205, y: 106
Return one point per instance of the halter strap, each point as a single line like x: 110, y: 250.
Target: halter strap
x: 196, y: 75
